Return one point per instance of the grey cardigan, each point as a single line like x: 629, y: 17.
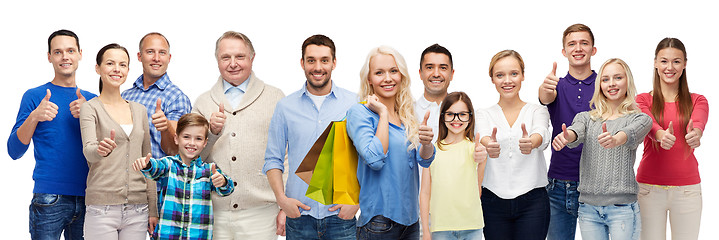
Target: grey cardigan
x: 111, y: 180
x: 606, y: 176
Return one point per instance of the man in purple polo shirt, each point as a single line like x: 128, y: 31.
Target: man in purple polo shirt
x: 564, y: 98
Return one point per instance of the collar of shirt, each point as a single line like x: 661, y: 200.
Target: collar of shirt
x: 306, y: 93
x: 588, y: 81
x: 242, y: 87
x: 424, y: 103
x: 161, y: 83
x: 197, y: 161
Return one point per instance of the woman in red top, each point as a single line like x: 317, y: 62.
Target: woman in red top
x: 668, y: 173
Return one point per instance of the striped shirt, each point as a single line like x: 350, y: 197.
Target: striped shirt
x: 186, y: 211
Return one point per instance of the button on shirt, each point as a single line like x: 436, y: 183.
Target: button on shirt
x: 389, y: 182
x: 234, y: 93
x: 572, y: 97
x: 513, y: 173
x: 296, y: 124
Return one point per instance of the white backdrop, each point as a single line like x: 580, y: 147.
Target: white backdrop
x: 473, y: 32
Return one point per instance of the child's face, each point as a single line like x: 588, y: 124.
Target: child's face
x: 457, y: 125
x: 191, y: 141
x: 614, y: 83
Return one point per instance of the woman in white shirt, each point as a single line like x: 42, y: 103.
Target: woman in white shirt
x: 515, y: 133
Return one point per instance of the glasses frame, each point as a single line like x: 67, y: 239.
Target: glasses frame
x: 456, y: 116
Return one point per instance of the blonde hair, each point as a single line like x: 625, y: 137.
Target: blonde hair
x: 599, y: 105
x: 404, y: 103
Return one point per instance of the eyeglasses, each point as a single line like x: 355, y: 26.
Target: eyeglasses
x: 462, y: 116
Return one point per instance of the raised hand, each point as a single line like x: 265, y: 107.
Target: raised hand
x: 141, y: 163
x: 158, y: 118
x: 561, y: 139
x: 46, y: 110
x: 493, y: 148
x: 75, y: 105
x: 694, y: 135
x: 375, y: 106
x: 106, y: 146
x: 550, y: 82
x: 425, y: 132
x: 480, y: 152
x: 525, y: 143
x: 217, y: 120
x: 667, y: 140
x: 606, y: 139
x: 218, y: 180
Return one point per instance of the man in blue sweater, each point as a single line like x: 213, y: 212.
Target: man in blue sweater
x: 48, y: 116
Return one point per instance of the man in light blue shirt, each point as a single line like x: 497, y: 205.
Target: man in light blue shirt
x: 298, y: 121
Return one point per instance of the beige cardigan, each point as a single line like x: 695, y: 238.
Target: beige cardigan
x: 239, y: 150
x: 111, y: 180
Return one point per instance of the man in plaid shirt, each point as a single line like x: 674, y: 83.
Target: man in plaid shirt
x: 165, y: 102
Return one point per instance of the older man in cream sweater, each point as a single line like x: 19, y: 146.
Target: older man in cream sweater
x: 239, y: 107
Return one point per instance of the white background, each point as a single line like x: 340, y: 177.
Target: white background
x: 473, y: 32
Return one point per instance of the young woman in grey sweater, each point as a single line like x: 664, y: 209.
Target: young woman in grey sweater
x: 611, y: 132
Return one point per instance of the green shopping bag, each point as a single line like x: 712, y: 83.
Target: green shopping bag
x: 320, y: 186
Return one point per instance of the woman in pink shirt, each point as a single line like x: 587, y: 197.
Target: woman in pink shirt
x: 668, y: 174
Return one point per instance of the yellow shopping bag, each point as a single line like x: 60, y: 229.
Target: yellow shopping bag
x: 344, y: 167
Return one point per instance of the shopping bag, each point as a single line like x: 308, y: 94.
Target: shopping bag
x: 344, y: 167
x: 320, y: 186
x: 307, y: 166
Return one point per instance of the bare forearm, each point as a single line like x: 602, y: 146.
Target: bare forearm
x: 274, y: 176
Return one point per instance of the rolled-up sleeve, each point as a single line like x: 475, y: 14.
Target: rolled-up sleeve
x: 362, y: 127
x: 541, y: 126
x: 425, y: 162
x: 276, y: 142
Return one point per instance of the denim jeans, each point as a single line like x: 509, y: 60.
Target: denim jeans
x: 564, y: 203
x: 382, y: 228
x: 620, y: 221
x: 525, y: 217
x: 332, y: 227
x: 473, y: 234
x: 51, y: 214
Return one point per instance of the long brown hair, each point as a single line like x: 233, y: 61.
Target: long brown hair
x: 448, y: 101
x: 683, y: 99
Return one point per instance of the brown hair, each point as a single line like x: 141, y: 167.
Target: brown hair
x: 683, y: 99
x: 503, y: 54
x: 319, y: 40
x: 448, y: 101
x: 192, y: 119
x: 577, y: 28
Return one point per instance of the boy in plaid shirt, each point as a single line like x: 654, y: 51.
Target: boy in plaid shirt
x: 187, y: 207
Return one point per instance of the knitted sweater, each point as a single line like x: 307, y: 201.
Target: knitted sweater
x: 606, y: 176
x: 239, y: 149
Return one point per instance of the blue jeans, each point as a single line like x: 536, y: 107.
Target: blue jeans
x: 381, y: 228
x: 564, y: 203
x: 332, y: 227
x: 51, y: 214
x: 621, y: 221
x: 525, y: 217
x: 474, y: 234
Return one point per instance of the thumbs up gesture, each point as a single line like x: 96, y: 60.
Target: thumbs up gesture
x: 493, y: 148
x: 106, y: 146
x: 480, y: 152
x: 217, y: 120
x: 550, y: 82
x: 667, y: 140
x: 46, y: 110
x: 425, y: 132
x: 561, y: 140
x: 158, y: 118
x: 218, y: 180
x: 606, y: 139
x: 525, y: 143
x: 693, y: 136
x: 75, y: 105
x: 141, y: 163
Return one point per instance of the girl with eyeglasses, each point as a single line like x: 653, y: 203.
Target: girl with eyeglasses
x: 449, y: 197
x: 515, y: 133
